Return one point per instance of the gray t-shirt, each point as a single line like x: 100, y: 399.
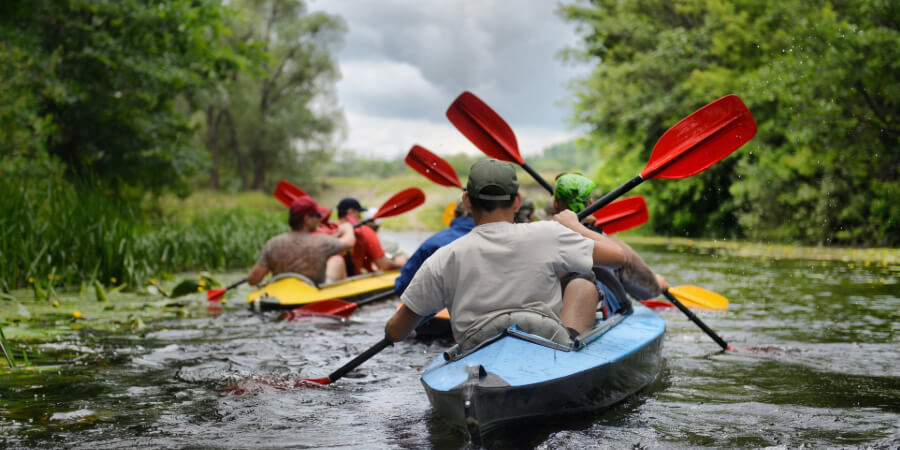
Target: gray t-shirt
x: 301, y: 253
x: 498, y: 267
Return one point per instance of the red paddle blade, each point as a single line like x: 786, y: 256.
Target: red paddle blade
x: 623, y: 215
x: 432, y: 167
x: 286, y: 192
x: 214, y: 295
x: 701, y: 139
x: 333, y: 309
x: 301, y: 381
x: 400, y: 203
x: 657, y: 304
x: 484, y: 127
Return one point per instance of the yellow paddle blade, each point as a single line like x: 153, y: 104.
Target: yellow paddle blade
x: 448, y: 213
x: 697, y: 297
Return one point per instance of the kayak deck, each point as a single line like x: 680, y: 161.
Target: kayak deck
x: 513, y: 378
x: 288, y: 291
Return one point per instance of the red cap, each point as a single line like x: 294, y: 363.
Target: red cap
x: 305, y: 206
x: 325, y: 213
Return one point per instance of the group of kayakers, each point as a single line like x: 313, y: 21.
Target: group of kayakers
x: 540, y: 276
x: 492, y: 268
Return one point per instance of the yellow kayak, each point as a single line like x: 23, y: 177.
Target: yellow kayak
x: 291, y: 290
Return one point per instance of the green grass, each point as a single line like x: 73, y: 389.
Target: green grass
x: 54, y: 234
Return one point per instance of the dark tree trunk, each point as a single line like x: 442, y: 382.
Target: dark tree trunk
x: 212, y: 123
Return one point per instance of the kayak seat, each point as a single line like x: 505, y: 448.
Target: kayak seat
x: 284, y: 275
x: 599, y: 329
x: 614, y: 296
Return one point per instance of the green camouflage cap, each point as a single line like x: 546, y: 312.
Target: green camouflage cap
x: 492, y: 173
x: 573, y: 191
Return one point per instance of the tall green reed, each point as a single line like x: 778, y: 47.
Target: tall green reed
x: 55, y: 232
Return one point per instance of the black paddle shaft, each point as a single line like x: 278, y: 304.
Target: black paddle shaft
x: 374, y: 350
x: 374, y: 298
x: 537, y: 177
x: 696, y: 320
x: 608, y: 198
x: 236, y: 284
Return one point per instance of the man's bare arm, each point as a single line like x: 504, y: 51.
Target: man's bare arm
x: 606, y: 252
x: 402, y: 323
x: 346, y: 235
x: 257, y: 274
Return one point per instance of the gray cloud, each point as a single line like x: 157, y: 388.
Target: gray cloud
x: 407, y: 59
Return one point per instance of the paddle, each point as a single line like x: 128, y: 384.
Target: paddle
x: 399, y: 203
x: 449, y: 213
x: 432, y: 167
x: 619, y: 216
x: 697, y: 321
x: 692, y: 145
x: 693, y: 297
x: 622, y: 215
x: 334, y: 308
x: 489, y: 132
x: 286, y: 192
x: 214, y: 295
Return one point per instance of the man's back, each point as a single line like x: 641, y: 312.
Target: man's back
x: 302, y: 253
x: 459, y: 227
x: 498, y: 266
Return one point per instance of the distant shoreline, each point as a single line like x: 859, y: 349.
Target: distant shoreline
x: 866, y: 257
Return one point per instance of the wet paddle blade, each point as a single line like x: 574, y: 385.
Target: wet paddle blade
x: 400, y: 203
x: 432, y: 167
x: 301, y: 381
x: 697, y: 297
x: 622, y: 215
x: 657, y: 304
x: 286, y: 192
x: 484, y: 128
x: 333, y: 309
x: 701, y: 139
x: 215, y: 295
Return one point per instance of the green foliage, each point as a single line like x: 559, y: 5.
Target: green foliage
x: 278, y: 121
x: 101, y: 82
x: 820, y: 79
x: 349, y: 164
x: 24, y: 128
x: 565, y: 157
x: 51, y: 229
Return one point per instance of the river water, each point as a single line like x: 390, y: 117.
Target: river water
x: 817, y: 366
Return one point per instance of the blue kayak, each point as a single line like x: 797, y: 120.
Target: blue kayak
x: 519, y: 375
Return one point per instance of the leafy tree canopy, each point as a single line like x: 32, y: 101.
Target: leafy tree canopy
x: 820, y: 78
x: 99, y: 84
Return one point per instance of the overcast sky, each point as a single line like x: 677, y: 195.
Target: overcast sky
x: 404, y: 61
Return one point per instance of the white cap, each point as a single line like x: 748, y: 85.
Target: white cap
x: 370, y: 213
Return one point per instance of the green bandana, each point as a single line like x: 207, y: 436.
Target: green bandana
x: 573, y: 191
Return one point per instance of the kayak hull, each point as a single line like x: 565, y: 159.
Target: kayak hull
x: 512, y: 378
x: 289, y: 291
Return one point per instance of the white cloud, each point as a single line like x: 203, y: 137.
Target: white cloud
x: 387, y: 88
x: 393, y: 137
x: 404, y: 61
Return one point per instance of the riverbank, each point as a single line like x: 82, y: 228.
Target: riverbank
x: 856, y: 257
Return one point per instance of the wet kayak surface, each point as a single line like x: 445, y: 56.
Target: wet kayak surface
x: 817, y: 365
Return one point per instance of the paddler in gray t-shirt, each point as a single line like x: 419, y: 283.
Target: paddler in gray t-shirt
x: 503, y: 271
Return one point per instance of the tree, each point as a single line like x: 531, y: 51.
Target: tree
x: 819, y: 77
x: 280, y: 122
x: 115, y: 72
